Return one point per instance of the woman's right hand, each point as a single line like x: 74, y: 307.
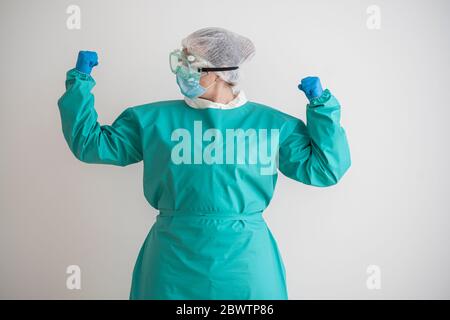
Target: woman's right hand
x: 86, y: 61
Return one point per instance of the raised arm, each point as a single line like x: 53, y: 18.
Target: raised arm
x: 317, y: 153
x: 116, y: 144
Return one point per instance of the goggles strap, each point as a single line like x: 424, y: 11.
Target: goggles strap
x: 217, y: 69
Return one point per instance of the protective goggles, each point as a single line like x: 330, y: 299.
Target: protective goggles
x: 185, y: 64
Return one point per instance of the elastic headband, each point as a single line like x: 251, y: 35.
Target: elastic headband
x: 217, y: 69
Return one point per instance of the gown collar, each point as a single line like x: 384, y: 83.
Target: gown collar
x: 200, y: 103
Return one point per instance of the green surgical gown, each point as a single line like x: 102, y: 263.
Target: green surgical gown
x: 209, y: 240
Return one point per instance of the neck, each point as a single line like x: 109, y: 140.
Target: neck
x: 221, y: 92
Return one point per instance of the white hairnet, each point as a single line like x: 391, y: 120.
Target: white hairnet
x: 220, y: 48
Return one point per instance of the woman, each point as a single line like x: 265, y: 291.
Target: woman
x: 210, y: 168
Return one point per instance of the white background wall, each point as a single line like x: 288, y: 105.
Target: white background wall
x: 391, y: 209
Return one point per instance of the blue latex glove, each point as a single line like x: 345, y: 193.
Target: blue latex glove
x: 311, y: 86
x: 86, y: 61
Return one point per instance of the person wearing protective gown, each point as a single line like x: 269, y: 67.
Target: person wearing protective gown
x: 211, y: 163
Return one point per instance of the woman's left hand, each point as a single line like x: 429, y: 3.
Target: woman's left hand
x: 311, y: 86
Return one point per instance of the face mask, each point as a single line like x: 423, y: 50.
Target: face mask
x: 191, y: 87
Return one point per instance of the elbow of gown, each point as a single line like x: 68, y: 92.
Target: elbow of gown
x: 317, y: 154
x: 116, y: 144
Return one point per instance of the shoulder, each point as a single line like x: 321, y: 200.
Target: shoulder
x: 285, y: 122
x: 149, y: 113
x: 275, y: 113
x: 157, y: 106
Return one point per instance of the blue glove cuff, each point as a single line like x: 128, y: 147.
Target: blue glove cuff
x: 82, y: 67
x: 74, y: 73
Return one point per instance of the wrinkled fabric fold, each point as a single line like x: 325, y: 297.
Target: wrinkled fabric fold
x: 200, y: 256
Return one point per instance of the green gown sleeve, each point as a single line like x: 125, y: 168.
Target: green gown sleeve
x: 316, y: 154
x: 116, y: 144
